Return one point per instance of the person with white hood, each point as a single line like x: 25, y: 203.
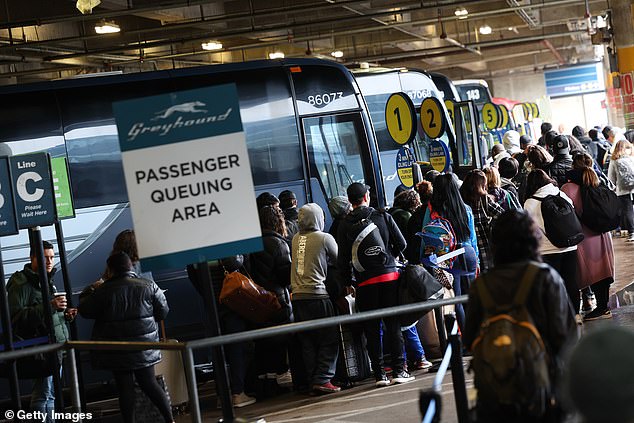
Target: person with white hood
x: 511, y: 142
x: 312, y: 251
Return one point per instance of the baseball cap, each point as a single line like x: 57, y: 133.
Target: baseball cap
x: 560, y: 144
x: 356, y: 191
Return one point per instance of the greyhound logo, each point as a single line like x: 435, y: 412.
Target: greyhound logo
x: 180, y: 108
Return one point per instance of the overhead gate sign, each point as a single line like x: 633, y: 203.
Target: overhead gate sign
x: 188, y: 177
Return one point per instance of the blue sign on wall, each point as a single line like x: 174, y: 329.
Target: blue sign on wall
x: 8, y: 221
x: 574, y: 80
x: 33, y: 187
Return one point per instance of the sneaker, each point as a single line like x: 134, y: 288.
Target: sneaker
x: 242, y: 400
x: 381, y: 379
x: 327, y: 388
x: 421, y: 364
x: 285, y: 379
x: 598, y: 315
x: 402, y: 377
x: 630, y: 238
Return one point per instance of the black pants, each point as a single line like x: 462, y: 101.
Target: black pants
x: 372, y: 297
x: 148, y: 384
x: 566, y: 265
x: 627, y: 218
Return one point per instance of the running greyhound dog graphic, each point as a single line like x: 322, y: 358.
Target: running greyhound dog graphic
x: 182, y: 108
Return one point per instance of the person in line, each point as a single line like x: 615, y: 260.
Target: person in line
x: 562, y: 160
x: 313, y: 251
x: 591, y: 147
x: 447, y: 202
x: 508, y: 168
x: 562, y: 259
x: 405, y: 204
x: 27, y: 318
x: 127, y: 308
x: 267, y: 199
x: 595, y: 255
x: 271, y: 269
x: 288, y: 204
x: 412, y: 252
x: 376, y: 282
x: 485, y: 211
x: 620, y: 169
x: 601, y: 146
x: 505, y: 199
x: 126, y: 242
x: 544, y: 129
x: 511, y: 142
x: 339, y: 207
x: 525, y: 141
x: 236, y: 353
x: 498, y: 152
x: 515, y: 241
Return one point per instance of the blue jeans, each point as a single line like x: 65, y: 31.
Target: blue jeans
x: 412, y: 344
x: 43, y: 397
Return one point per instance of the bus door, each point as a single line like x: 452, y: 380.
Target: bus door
x: 470, y: 152
x: 335, y: 146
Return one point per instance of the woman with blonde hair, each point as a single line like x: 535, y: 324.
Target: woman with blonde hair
x: 506, y: 199
x: 621, y: 173
x: 595, y: 255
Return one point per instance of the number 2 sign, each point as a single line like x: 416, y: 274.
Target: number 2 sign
x: 400, y: 117
x: 432, y: 117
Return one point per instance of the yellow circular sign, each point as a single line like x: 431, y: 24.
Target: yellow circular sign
x: 504, y: 115
x: 450, y: 109
x: 535, y: 109
x: 490, y: 115
x: 528, y: 111
x: 400, y: 118
x: 432, y: 117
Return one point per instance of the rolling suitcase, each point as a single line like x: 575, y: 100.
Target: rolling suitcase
x: 353, y: 363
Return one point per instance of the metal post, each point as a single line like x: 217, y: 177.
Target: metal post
x: 194, y: 405
x: 457, y: 376
x: 5, y: 316
x: 74, y: 355
x: 36, y: 238
x: 74, y: 383
x: 217, y: 353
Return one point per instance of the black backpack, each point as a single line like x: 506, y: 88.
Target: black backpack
x: 510, y: 360
x: 369, y: 252
x: 601, y: 209
x: 561, y: 224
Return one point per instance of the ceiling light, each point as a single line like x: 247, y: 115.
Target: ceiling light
x: 461, y: 13
x: 485, y: 30
x: 86, y: 6
x: 276, y: 55
x: 211, y: 45
x: 337, y: 54
x: 106, y: 27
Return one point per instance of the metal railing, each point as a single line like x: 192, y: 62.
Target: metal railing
x: 187, y: 348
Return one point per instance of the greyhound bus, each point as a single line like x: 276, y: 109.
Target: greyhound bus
x: 378, y: 84
x: 307, y: 130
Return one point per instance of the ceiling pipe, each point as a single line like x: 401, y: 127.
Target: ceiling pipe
x: 135, y: 46
x: 554, y: 51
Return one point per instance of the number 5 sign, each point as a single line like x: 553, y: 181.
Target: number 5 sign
x: 400, y: 117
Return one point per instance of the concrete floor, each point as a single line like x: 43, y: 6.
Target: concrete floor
x: 399, y: 403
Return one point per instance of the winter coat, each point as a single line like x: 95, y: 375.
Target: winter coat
x: 271, y: 269
x: 615, y: 176
x: 401, y: 217
x: 313, y: 252
x: 26, y: 306
x: 125, y: 308
x: 414, y: 225
x: 547, y: 304
x: 561, y: 164
x: 390, y: 233
x: 534, y: 208
x: 595, y: 255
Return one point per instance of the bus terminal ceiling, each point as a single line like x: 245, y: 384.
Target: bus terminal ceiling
x: 45, y: 40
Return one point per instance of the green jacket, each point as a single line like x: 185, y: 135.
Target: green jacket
x: 25, y: 306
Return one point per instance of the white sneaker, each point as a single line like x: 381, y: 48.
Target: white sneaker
x: 285, y: 379
x: 242, y: 400
x: 630, y: 238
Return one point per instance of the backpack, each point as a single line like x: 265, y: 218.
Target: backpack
x: 368, y: 248
x: 625, y: 169
x: 601, y: 209
x: 510, y: 360
x: 561, y: 224
x: 438, y: 237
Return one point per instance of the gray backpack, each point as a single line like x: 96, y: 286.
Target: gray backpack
x: 625, y: 169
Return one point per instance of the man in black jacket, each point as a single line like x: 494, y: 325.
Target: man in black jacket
x: 562, y: 160
x: 369, y: 239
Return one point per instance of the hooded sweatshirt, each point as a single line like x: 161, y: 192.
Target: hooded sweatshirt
x: 312, y: 251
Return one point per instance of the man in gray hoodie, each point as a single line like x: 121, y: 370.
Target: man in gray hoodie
x: 312, y: 251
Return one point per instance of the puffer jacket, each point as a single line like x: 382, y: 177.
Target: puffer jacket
x: 547, y: 304
x: 616, y: 177
x: 561, y: 164
x: 26, y: 306
x: 125, y: 308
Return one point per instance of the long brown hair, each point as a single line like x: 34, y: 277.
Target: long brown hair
x: 470, y: 189
x: 583, y: 162
x: 272, y: 219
